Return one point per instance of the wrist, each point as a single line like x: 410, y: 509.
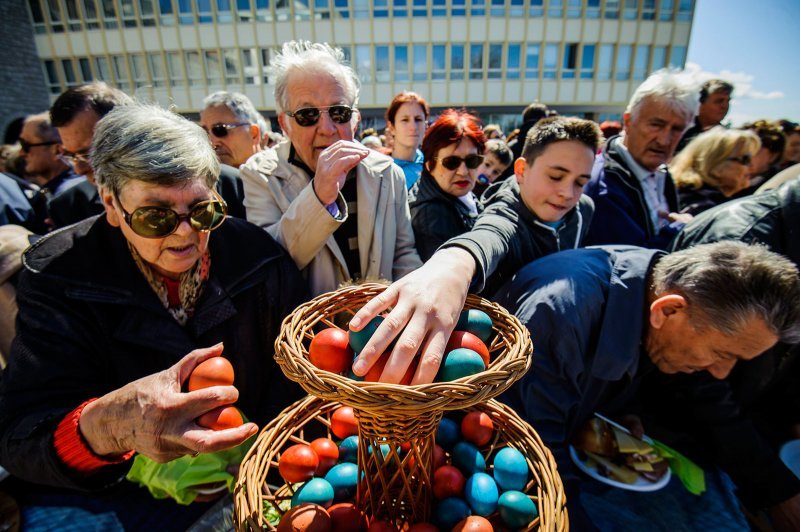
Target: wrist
x: 460, y: 260
x: 97, y: 431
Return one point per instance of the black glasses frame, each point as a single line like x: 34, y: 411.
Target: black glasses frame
x: 26, y: 146
x: 452, y: 162
x: 221, y: 129
x: 309, y: 116
x: 744, y: 160
x: 137, y: 217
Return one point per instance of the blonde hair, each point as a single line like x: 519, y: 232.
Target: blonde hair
x: 693, y: 166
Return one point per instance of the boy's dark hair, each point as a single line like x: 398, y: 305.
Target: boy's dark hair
x: 556, y: 129
x: 534, y: 112
x: 713, y: 86
x: 500, y: 150
x: 772, y: 136
x: 97, y: 96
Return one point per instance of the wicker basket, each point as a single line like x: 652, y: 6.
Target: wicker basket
x: 306, y: 419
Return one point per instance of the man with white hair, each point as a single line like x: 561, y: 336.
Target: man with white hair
x: 233, y: 125
x: 635, y: 198
x: 339, y: 208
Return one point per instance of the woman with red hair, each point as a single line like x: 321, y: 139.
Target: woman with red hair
x: 407, y: 119
x: 442, y: 203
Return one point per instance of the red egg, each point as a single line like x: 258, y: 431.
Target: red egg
x: 382, y: 526
x: 215, y: 371
x: 343, y: 422
x: 328, y: 454
x: 448, y: 481
x: 346, y: 517
x: 225, y: 417
x: 477, y: 428
x: 469, y: 341
x: 473, y: 523
x: 298, y: 463
x: 423, y: 527
x: 330, y: 350
x: 439, y: 457
x: 307, y: 517
x: 374, y: 373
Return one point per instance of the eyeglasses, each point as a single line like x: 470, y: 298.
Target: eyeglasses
x: 744, y: 160
x: 75, y: 158
x: 308, y: 116
x: 26, y: 146
x: 221, y: 130
x: 158, y: 222
x: 452, y: 162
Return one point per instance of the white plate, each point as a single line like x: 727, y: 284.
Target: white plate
x: 790, y: 454
x: 211, y: 490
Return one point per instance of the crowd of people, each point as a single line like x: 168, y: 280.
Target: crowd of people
x: 135, y: 244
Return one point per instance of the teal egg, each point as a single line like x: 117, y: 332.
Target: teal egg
x: 351, y: 375
x: 458, y: 363
x: 447, y: 433
x: 317, y: 491
x: 477, y: 322
x: 359, y: 339
x: 384, y: 449
x: 510, y: 469
x: 343, y: 478
x: 468, y: 459
x: 481, y: 494
x: 449, y: 511
x: 516, y: 509
x: 348, y: 449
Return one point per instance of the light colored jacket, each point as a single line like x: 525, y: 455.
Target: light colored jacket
x: 278, y: 196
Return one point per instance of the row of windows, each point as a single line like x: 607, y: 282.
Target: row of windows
x: 380, y: 63
x: 79, y: 15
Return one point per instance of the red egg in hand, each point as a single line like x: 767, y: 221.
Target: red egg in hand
x: 216, y: 371
x: 469, y: 341
x: 477, y: 428
x: 343, y: 422
x: 330, y: 350
x: 225, y: 417
x: 298, y: 463
x: 328, y: 454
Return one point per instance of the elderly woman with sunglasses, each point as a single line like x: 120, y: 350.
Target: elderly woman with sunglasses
x: 116, y: 311
x: 442, y: 202
x: 339, y: 208
x: 713, y: 168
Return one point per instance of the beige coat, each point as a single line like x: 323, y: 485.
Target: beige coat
x: 13, y: 241
x: 279, y: 197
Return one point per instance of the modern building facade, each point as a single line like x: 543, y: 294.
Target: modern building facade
x: 583, y: 57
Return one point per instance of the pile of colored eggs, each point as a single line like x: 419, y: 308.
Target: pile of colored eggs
x: 216, y: 371
x: 334, y: 349
x: 469, y: 494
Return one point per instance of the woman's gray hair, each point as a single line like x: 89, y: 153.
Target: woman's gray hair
x: 311, y: 56
x: 147, y: 143
x: 676, y: 88
x: 238, y: 104
x: 729, y: 283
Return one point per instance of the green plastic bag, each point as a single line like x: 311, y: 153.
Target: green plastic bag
x: 692, y: 476
x: 177, y: 479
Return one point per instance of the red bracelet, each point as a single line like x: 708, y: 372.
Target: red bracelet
x: 73, y: 450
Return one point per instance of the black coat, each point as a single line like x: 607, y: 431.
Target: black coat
x: 90, y: 323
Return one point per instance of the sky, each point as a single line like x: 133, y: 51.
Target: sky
x: 754, y: 45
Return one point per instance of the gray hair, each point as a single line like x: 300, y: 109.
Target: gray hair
x: 673, y: 87
x: 238, y: 104
x: 305, y: 55
x: 729, y: 283
x: 147, y: 143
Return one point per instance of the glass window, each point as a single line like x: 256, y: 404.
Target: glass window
x: 52, y: 76
x: 157, y: 72
x: 38, y: 18
x: 139, y: 68
x: 364, y: 63
x: 631, y: 10
x: 342, y: 8
x: 121, y: 72
x: 73, y: 16
x: 612, y: 9
x: 458, y: 8
x: 128, y: 13
x: 513, y: 61
x: 109, y: 13
x: 420, y: 72
x: 69, y: 72
x: 380, y: 8
x: 166, y: 14
x: 677, y: 56
x: 555, y: 8
x: 640, y: 63
x: 250, y: 65
x: 265, y: 61
x: 102, y: 69
x: 649, y: 10
x: 175, y: 69
x: 550, y: 61
x: 213, y: 73
x: 439, y: 8
x: 361, y: 8
x: 478, y: 8
x: 263, y: 11
x: 685, y: 8
x: 382, y: 66
x: 230, y: 66
x: 185, y: 12
x: 420, y: 8
x: 322, y: 9
x: 532, y: 61
x: 401, y: 62
x: 400, y: 8
x: 498, y: 8
x: 537, y: 8
x: 592, y: 8
x: 517, y: 8
x: 438, y: 65
x: 90, y: 20
x: 147, y: 12
x: 624, y: 62
x: 665, y: 8
x: 301, y: 10
x: 569, y: 61
x: 476, y: 61
x: 659, y: 58
x: 456, y: 61
x: 54, y: 15
x: 605, y: 62
x: 587, y: 61
x: 86, y: 69
x: 495, y: 61
x: 224, y: 14
x: 573, y: 8
x: 283, y: 11
x: 193, y: 68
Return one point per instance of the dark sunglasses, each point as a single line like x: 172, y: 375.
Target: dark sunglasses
x: 452, y: 162
x: 26, y: 146
x: 158, y: 222
x: 308, y: 116
x: 221, y: 130
x: 744, y: 160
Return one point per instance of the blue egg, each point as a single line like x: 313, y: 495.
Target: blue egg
x: 343, y: 477
x: 447, y: 434
x: 477, y: 322
x: 449, y: 511
x: 348, y: 450
x: 359, y: 339
x: 510, y: 469
x: 481, y: 494
x: 468, y: 459
x: 516, y: 509
x: 458, y: 363
x: 317, y: 491
x: 351, y: 375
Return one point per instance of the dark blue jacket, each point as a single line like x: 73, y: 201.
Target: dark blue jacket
x: 621, y: 215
